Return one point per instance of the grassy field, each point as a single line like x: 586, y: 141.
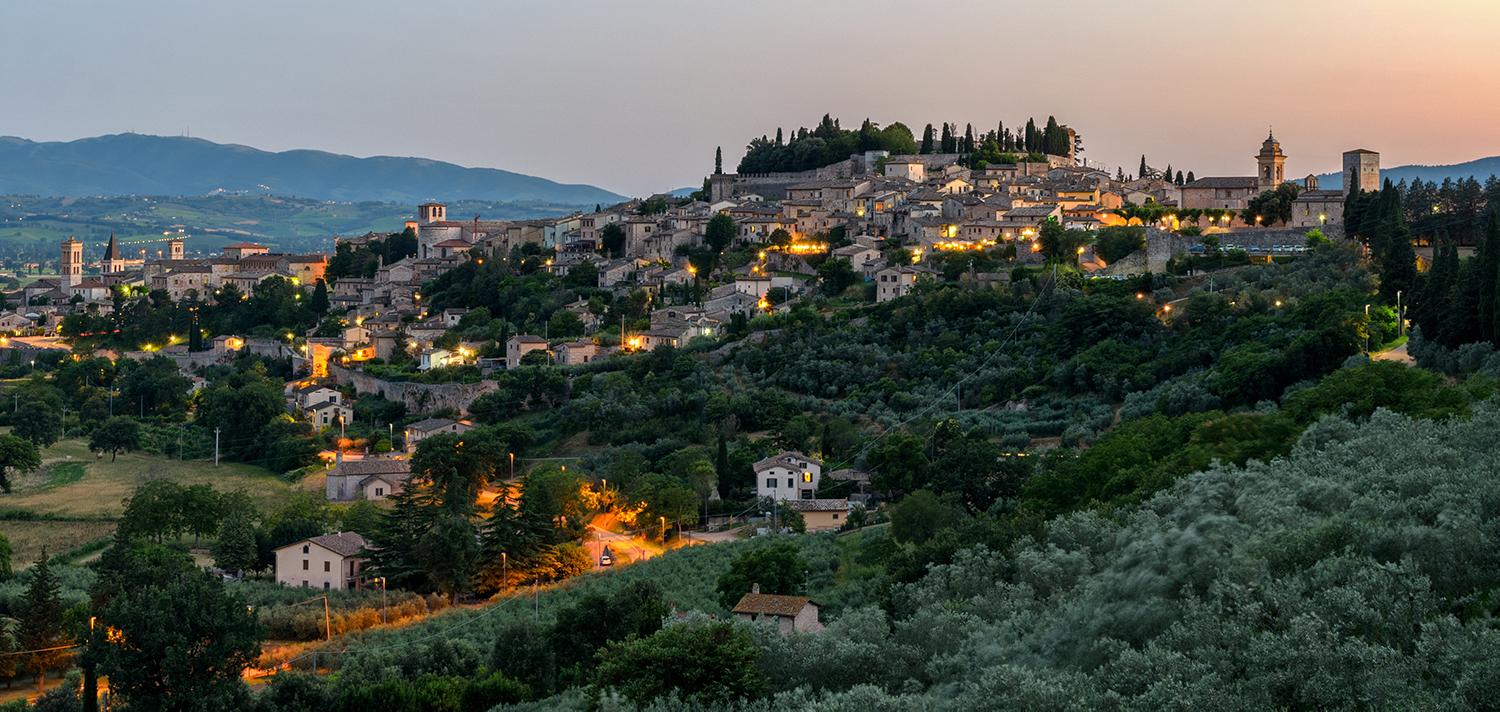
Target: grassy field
x: 92, y: 489
x: 29, y: 539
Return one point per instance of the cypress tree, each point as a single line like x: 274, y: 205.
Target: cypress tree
x: 1460, y: 325
x: 1033, y: 137
x: 926, y: 140
x: 947, y: 140
x: 1167, y: 174
x: 319, y: 301
x: 968, y: 138
x: 1144, y: 167
x: 719, y: 160
x: 43, y: 627
x: 1179, y: 178
x: 721, y: 467
x: 1489, y: 273
x: 778, y: 134
x: 1432, y: 300
x: 1190, y: 178
x: 1399, y: 269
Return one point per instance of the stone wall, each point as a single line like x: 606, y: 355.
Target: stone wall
x: 772, y: 186
x: 418, y: 397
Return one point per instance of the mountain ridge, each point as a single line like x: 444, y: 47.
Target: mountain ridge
x: 1479, y: 168
x: 143, y: 164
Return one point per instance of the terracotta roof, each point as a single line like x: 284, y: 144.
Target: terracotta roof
x: 244, y: 245
x: 785, y: 459
x: 453, y: 243
x: 528, y: 339
x: 773, y: 605
x: 818, y: 505
x: 342, y: 543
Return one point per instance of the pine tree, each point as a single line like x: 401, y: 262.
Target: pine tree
x: 719, y: 161
x: 42, y: 628
x: 926, y: 140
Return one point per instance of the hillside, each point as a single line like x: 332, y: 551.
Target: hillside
x: 137, y: 164
x: 31, y: 225
x: 1480, y: 169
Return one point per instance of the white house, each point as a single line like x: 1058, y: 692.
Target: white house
x: 327, y: 562
x: 313, y: 394
x: 894, y: 282
x: 790, y: 475
x: 422, y: 429
x: 327, y: 414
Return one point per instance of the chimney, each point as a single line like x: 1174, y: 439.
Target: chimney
x: 338, y: 456
x: 755, y: 588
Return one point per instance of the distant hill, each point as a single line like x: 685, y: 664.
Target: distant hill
x: 1480, y: 170
x: 137, y: 164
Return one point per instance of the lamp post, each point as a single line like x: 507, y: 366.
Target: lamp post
x: 1367, y: 329
x: 663, y: 533
x: 1400, y: 322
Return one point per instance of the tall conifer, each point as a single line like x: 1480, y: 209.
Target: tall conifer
x: 1489, y: 274
x: 926, y: 140
x: 42, y: 628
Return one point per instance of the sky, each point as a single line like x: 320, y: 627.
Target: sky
x: 635, y: 96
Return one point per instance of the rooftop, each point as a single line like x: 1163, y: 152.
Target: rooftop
x: 773, y: 605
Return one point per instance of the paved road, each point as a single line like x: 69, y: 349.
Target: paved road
x: 1396, y: 354
x: 620, y: 544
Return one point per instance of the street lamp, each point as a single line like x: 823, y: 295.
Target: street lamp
x: 1367, y: 329
x: 1400, y: 322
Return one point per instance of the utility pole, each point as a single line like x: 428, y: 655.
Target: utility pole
x: 216, y: 447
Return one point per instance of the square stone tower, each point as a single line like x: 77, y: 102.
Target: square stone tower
x: 1361, y: 170
x: 428, y: 213
x: 70, y: 267
x: 174, y: 249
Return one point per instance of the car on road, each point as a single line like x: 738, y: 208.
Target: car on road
x: 607, y: 558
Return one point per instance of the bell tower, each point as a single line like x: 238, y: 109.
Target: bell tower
x: 1270, y: 171
x: 70, y: 267
x: 174, y: 248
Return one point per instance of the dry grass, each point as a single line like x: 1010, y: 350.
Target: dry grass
x: 99, y: 493
x: 28, y: 539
